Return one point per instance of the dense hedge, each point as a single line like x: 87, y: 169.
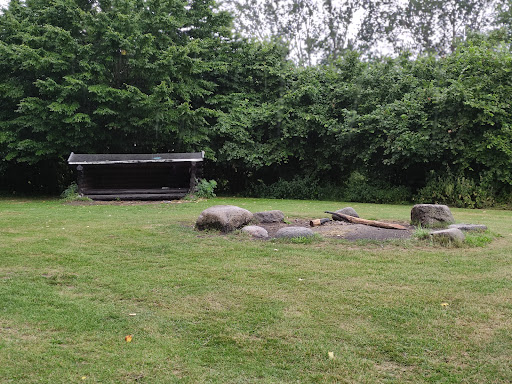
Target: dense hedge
x: 408, y: 127
x: 427, y: 128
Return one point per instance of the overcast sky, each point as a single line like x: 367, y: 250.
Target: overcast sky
x: 3, y: 3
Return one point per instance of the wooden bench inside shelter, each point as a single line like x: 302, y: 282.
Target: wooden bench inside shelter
x: 160, y: 176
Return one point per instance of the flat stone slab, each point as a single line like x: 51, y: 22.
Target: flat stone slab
x: 470, y: 227
x: 291, y: 232
x: 452, y: 234
x: 255, y: 231
x: 429, y: 215
x: 345, y: 211
x: 274, y: 216
x: 224, y: 218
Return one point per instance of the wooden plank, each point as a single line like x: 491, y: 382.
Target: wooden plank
x: 121, y: 191
x: 138, y: 196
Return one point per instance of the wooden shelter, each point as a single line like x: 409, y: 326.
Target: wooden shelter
x: 160, y: 176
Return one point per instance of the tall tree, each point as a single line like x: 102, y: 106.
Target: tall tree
x: 339, y: 19
x: 504, y: 18
x: 323, y: 29
x: 106, y: 76
x: 315, y: 30
x: 294, y: 22
x: 436, y: 26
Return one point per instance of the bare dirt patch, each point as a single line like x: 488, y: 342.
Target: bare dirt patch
x: 129, y: 202
x: 343, y: 230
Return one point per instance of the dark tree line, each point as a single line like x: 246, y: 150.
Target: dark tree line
x: 170, y: 75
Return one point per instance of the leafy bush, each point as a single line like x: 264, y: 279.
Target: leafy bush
x: 71, y: 194
x: 301, y: 188
x: 359, y: 189
x: 504, y: 200
x: 457, y: 191
x: 206, y: 188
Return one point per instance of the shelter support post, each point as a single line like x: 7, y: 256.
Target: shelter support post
x: 80, y: 179
x: 193, y: 179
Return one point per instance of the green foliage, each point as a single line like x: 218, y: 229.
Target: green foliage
x: 359, y: 188
x: 478, y: 239
x: 456, y: 191
x: 71, y: 194
x: 472, y: 239
x: 316, y: 238
x: 300, y: 188
x: 421, y: 233
x: 249, y: 124
x: 393, y: 120
x: 205, y: 189
x: 116, y: 76
x: 128, y: 76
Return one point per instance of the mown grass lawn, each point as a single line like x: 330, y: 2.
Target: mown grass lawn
x: 227, y: 309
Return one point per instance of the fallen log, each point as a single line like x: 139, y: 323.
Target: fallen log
x: 317, y: 222
x: 373, y: 223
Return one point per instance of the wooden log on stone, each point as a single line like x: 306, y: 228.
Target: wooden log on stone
x: 317, y: 222
x: 373, y: 223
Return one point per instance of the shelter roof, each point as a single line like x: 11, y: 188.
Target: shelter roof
x: 82, y: 159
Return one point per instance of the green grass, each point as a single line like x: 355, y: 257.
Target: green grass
x: 227, y: 309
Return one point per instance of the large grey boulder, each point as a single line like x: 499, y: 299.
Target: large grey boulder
x: 274, y: 216
x: 291, y: 232
x: 430, y: 215
x: 224, y: 218
x: 255, y: 231
x: 349, y: 211
x: 470, y: 227
x: 451, y: 234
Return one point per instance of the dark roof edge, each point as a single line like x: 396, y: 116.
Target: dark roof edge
x: 83, y: 159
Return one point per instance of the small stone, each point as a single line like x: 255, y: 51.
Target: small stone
x: 291, y: 232
x: 274, y: 216
x: 452, y: 234
x: 255, y: 231
x: 469, y: 227
x: 349, y: 211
